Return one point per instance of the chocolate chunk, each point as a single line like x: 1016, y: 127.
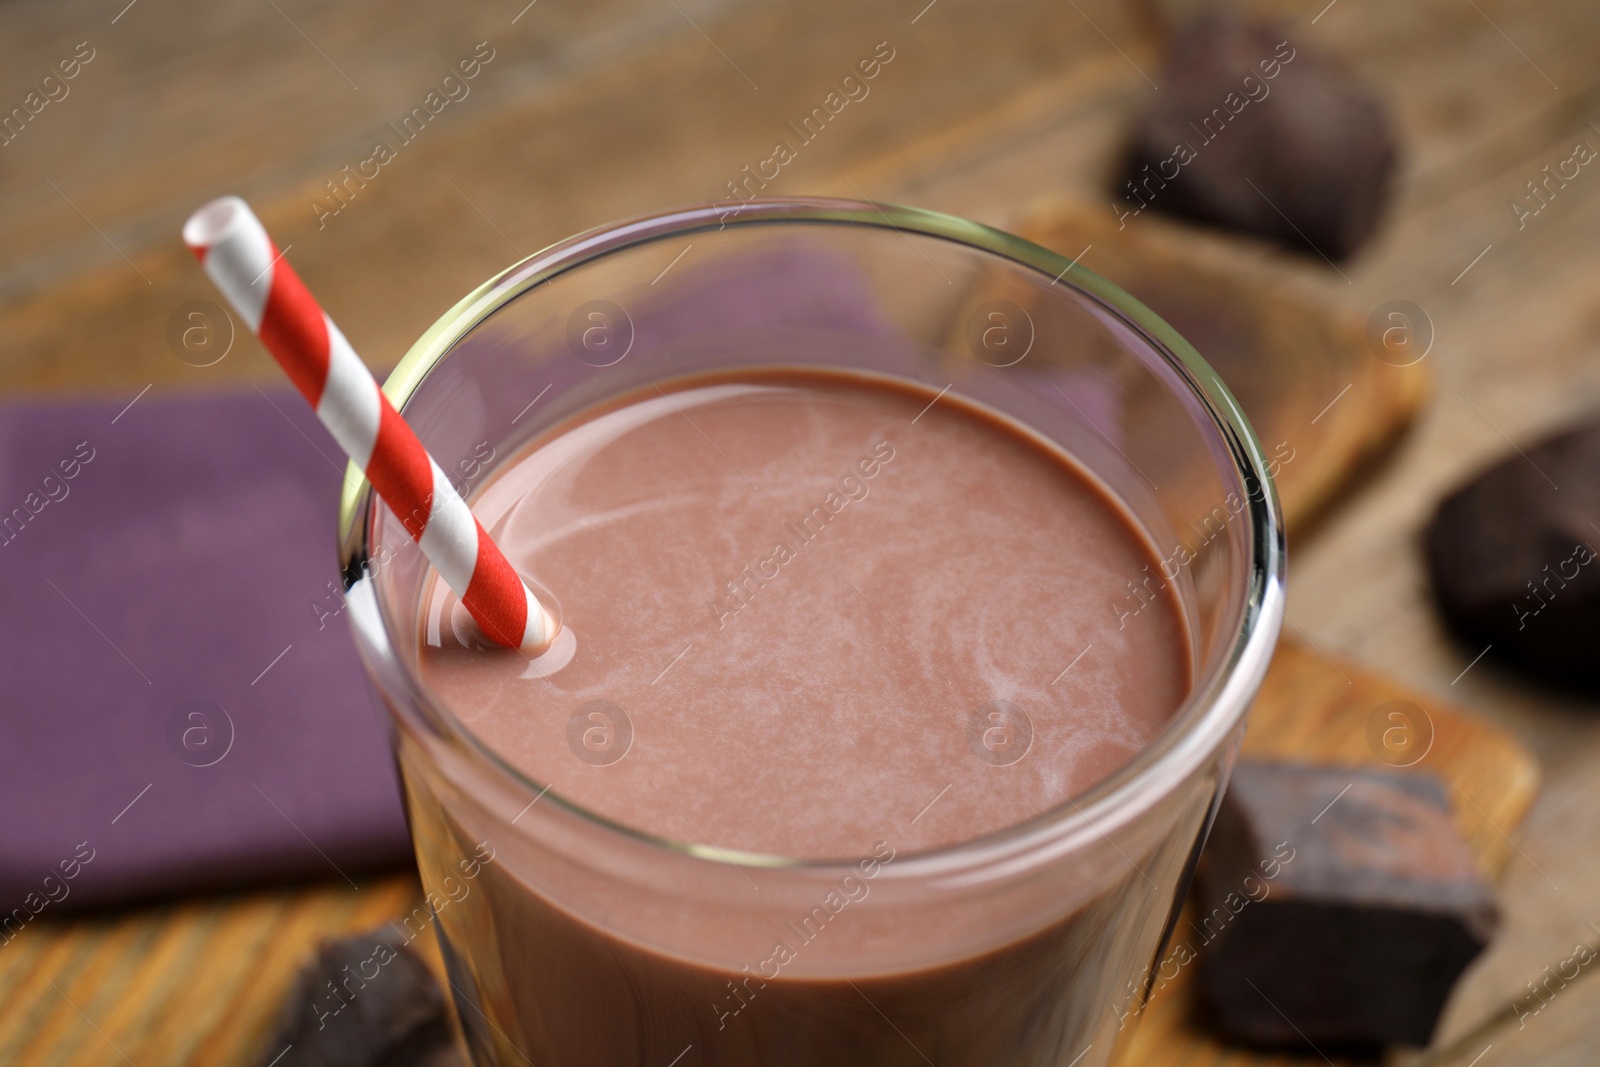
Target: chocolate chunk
x: 1338, y: 906
x: 364, y: 1001
x: 1512, y: 558
x: 1255, y: 132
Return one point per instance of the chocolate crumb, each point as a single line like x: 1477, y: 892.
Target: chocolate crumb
x: 364, y: 1001
x: 1255, y: 132
x: 1337, y: 905
x: 1512, y: 558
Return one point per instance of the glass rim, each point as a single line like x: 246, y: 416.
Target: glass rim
x: 1214, y: 707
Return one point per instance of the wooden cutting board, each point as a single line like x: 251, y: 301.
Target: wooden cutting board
x: 1318, y: 384
x: 199, y: 981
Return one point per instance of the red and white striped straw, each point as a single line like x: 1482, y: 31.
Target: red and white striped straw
x: 241, y: 259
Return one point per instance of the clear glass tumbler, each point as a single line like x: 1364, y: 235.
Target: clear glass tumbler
x: 572, y: 940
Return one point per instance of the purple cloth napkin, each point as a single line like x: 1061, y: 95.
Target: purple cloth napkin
x: 184, y: 708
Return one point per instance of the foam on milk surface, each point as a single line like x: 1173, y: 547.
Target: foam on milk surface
x: 802, y: 600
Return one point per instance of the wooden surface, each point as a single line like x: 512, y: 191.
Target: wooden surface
x: 200, y: 982
x: 591, y: 111
x: 194, y: 982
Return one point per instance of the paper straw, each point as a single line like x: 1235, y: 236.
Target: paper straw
x: 241, y: 259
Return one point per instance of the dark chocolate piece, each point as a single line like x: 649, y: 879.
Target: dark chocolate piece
x: 1255, y: 132
x: 364, y: 1001
x: 1338, y: 906
x: 1512, y: 558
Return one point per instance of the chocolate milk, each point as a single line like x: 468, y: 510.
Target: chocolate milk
x: 814, y: 616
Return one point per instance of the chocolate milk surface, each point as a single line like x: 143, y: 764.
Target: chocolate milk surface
x: 810, y: 612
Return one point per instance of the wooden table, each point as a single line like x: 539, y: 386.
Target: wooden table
x: 591, y: 111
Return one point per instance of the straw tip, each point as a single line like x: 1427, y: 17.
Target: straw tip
x: 214, y: 221
x: 560, y: 652
x: 541, y: 632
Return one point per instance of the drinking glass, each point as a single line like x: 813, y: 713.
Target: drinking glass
x: 571, y: 939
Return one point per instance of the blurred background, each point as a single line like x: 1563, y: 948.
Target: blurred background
x: 1020, y: 115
